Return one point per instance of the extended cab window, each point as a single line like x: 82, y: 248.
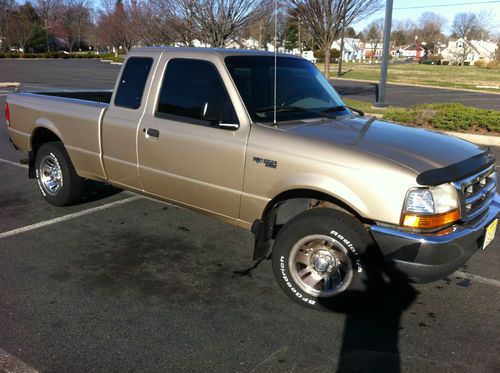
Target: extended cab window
x: 188, y: 86
x: 132, y: 82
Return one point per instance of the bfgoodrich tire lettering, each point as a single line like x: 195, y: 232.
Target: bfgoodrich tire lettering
x: 320, y: 255
x: 56, y: 176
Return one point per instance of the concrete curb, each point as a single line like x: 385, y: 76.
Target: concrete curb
x: 9, y: 84
x: 477, y: 139
x: 418, y: 85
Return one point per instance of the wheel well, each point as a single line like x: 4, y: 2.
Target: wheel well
x: 40, y: 137
x: 287, y: 205
x: 291, y: 203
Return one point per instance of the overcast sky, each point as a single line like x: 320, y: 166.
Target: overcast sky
x: 446, y: 8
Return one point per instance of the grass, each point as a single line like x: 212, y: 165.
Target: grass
x: 445, y: 117
x: 468, y: 77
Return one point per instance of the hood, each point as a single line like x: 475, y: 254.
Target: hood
x: 418, y: 149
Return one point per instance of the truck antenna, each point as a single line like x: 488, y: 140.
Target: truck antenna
x: 275, y: 53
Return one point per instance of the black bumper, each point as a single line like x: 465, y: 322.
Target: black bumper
x: 429, y: 257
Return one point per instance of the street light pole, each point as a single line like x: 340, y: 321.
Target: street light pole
x: 385, y: 56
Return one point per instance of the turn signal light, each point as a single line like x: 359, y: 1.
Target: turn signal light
x: 430, y: 221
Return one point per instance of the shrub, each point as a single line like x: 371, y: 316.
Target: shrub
x: 320, y: 55
x: 452, y: 117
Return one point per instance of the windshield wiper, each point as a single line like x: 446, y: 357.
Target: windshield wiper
x: 297, y: 109
x: 335, y: 109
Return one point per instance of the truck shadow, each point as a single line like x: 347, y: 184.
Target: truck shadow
x: 372, y: 324
x: 95, y: 191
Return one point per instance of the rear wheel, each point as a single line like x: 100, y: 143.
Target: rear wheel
x: 320, y: 255
x: 56, y: 176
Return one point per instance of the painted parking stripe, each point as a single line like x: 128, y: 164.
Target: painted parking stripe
x: 17, y: 164
x: 68, y: 217
x: 481, y: 279
x: 11, y: 364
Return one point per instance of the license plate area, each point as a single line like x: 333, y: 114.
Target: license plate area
x: 490, y: 233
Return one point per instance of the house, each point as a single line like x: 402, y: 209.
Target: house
x: 373, y: 49
x: 462, y: 50
x: 353, y: 49
x: 412, y: 51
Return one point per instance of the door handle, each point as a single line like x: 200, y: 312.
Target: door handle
x: 151, y: 132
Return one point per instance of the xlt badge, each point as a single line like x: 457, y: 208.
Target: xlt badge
x: 267, y: 162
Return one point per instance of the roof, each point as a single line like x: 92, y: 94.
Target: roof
x: 222, y: 52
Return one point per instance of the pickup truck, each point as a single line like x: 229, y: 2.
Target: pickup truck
x: 265, y: 143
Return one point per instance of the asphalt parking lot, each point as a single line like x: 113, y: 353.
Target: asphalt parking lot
x: 124, y: 283
x: 408, y: 95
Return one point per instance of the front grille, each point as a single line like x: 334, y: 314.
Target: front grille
x: 476, y: 192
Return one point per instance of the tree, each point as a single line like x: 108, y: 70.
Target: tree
x: 216, y: 21
x: 403, y: 32
x: 468, y: 26
x: 374, y: 34
x: 74, y: 21
x: 115, y: 26
x: 6, y: 8
x: 431, y: 30
x: 324, y: 19
x: 24, y: 26
x: 48, y: 11
x: 350, y: 32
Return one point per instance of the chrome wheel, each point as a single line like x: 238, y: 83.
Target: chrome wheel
x: 320, y: 266
x: 50, y: 174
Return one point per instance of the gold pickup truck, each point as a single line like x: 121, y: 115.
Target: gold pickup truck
x: 265, y: 143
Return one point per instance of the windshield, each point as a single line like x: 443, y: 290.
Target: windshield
x: 302, y: 92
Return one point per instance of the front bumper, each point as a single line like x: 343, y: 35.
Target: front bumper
x: 429, y: 257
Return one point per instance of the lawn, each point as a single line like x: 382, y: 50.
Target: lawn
x: 469, y: 77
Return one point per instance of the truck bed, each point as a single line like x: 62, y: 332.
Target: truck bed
x: 74, y: 116
x: 94, y: 96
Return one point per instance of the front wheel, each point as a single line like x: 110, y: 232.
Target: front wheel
x: 56, y: 176
x: 320, y: 255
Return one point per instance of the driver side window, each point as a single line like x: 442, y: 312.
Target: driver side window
x: 188, y: 86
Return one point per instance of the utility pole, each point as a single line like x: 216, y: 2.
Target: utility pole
x: 300, y: 41
x: 339, y: 73
x: 385, y: 56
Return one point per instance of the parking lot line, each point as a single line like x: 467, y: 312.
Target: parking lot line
x: 67, y: 217
x: 11, y: 364
x: 13, y: 163
x: 483, y: 280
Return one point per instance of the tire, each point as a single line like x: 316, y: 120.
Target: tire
x: 322, y: 257
x: 56, y: 176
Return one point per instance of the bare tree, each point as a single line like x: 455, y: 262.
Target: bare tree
x: 115, y: 26
x: 403, y: 32
x: 374, y: 34
x: 325, y: 18
x: 74, y: 21
x: 216, y: 21
x: 431, y: 30
x: 6, y: 8
x: 467, y: 26
x: 48, y: 11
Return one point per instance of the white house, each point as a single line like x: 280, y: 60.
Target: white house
x: 353, y: 49
x: 462, y: 50
x: 409, y: 51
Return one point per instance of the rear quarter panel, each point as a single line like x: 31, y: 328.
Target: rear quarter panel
x: 75, y: 122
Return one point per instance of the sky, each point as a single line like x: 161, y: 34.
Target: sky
x: 450, y: 8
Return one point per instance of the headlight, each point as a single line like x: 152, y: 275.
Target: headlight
x: 430, y: 208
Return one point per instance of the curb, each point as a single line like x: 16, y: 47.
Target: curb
x: 477, y: 139
x: 9, y: 84
x: 417, y: 85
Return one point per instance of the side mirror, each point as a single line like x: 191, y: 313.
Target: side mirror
x: 213, y: 112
